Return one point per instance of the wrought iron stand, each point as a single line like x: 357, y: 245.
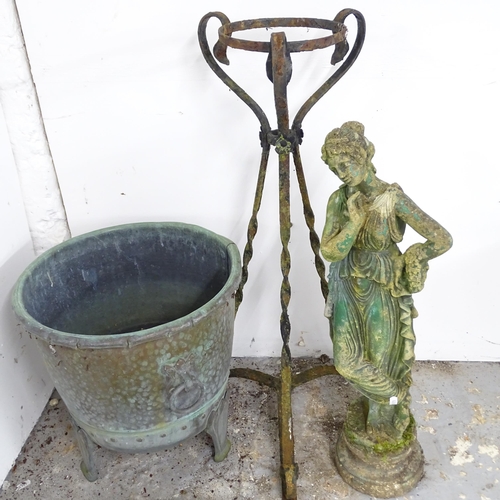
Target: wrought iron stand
x: 286, y: 140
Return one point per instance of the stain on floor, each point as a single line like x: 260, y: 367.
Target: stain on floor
x: 456, y: 405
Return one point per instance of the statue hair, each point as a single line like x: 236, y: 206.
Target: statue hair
x: 349, y: 139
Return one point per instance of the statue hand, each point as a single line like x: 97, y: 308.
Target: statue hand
x: 415, y: 267
x: 356, y: 205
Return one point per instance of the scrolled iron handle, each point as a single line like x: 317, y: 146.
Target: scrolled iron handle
x: 220, y: 51
x: 340, y: 52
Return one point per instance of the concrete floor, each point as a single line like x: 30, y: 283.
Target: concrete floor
x: 456, y: 405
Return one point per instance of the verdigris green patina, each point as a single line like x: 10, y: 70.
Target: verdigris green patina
x: 135, y: 324
x: 371, y: 313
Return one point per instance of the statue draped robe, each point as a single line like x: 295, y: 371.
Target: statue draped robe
x: 371, y: 314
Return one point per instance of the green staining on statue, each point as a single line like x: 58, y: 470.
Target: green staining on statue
x: 370, y: 307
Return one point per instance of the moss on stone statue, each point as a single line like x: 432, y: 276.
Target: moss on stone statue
x: 377, y: 443
x: 387, y: 447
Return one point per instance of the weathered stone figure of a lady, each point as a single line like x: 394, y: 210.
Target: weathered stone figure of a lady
x: 370, y: 304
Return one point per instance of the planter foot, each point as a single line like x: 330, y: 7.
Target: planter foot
x: 87, y: 450
x: 217, y: 429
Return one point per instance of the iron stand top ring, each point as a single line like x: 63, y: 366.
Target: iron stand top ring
x: 339, y: 31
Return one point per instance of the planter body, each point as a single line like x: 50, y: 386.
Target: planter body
x: 135, y: 324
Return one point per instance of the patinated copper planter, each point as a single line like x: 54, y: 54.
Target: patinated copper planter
x: 135, y: 324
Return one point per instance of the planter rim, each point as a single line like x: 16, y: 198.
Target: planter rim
x: 130, y: 339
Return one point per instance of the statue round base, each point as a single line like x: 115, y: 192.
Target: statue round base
x: 383, y: 470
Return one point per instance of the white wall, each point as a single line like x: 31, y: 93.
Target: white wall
x: 141, y: 129
x: 24, y: 383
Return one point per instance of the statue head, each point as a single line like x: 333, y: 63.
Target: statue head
x: 349, y: 140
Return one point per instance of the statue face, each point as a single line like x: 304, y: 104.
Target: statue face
x: 347, y: 169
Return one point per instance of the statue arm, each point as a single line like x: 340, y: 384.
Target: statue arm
x: 438, y: 238
x: 413, y: 265
x: 341, y: 230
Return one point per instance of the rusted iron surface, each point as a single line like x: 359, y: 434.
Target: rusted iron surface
x: 286, y: 140
x: 227, y: 40
x: 309, y: 217
x: 289, y: 468
x: 255, y: 375
x: 310, y: 374
x: 280, y: 71
x: 340, y: 53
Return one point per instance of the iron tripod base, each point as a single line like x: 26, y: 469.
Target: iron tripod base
x: 284, y: 385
